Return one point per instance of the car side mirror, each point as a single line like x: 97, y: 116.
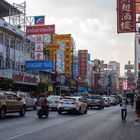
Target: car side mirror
x: 19, y: 99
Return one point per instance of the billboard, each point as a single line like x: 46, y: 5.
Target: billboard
x: 39, y: 46
x: 67, y: 57
x: 82, y: 56
x: 126, y: 16
x: 39, y: 20
x: 61, y: 37
x: 45, y: 29
x: 39, y: 65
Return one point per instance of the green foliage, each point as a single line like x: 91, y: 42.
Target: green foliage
x: 9, y: 83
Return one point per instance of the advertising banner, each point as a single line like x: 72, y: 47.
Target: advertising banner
x: 67, y: 57
x: 39, y: 65
x: 61, y: 37
x: 53, y: 47
x: 38, y: 55
x: 39, y: 46
x: 47, y: 38
x: 137, y: 8
x: 45, y: 29
x: 52, y: 55
x: 82, y: 55
x: 39, y: 38
x: 126, y: 16
x: 137, y: 52
x: 39, y: 20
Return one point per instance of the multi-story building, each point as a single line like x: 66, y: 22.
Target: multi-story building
x: 15, y: 49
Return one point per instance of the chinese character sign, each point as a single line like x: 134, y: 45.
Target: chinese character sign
x: 126, y: 16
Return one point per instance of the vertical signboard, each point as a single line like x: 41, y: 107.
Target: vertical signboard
x: 137, y: 53
x: 82, y: 55
x: 67, y: 57
x: 126, y: 16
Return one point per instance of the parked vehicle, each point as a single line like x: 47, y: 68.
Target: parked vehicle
x: 53, y: 100
x: 30, y: 102
x: 106, y: 101
x: 11, y: 103
x: 112, y: 100
x: 94, y: 101
x: 72, y: 105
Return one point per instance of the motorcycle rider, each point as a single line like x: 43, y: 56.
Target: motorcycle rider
x: 43, y: 102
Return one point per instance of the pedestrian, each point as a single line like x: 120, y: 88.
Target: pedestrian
x: 123, y: 105
x: 137, y: 108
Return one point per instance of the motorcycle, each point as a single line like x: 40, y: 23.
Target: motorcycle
x: 42, y: 111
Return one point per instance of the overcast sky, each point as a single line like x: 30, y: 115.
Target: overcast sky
x: 92, y: 24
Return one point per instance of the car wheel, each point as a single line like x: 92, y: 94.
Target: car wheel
x: 35, y: 106
x: 59, y: 112
x: 22, y: 112
x: 86, y: 110
x: 2, y: 112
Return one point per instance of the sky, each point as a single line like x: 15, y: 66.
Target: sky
x: 92, y: 24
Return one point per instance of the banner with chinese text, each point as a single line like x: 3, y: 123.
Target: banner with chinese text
x: 126, y: 16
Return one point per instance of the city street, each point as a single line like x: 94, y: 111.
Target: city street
x: 96, y: 124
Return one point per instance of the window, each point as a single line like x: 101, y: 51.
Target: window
x: 1, y: 95
x: 1, y: 38
x: 14, y: 97
x: 8, y: 96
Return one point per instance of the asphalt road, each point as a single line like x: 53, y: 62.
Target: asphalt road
x: 95, y: 125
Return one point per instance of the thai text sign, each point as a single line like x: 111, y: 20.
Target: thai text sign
x: 45, y: 29
x: 52, y: 47
x: 126, y: 16
x: 61, y: 37
x: 39, y: 65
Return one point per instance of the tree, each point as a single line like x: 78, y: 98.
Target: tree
x: 41, y: 86
x: 8, y: 84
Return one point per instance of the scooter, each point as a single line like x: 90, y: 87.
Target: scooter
x: 42, y: 111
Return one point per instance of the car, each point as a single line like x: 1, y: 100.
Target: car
x: 95, y: 101
x: 72, y: 105
x: 53, y: 101
x: 106, y: 101
x: 11, y: 103
x: 30, y: 102
x: 113, y: 100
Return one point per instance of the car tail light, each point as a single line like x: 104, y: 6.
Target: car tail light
x: 57, y: 102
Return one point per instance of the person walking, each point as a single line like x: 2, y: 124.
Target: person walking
x: 124, y: 109
x: 137, y: 108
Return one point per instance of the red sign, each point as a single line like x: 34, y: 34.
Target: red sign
x: 45, y: 29
x: 139, y: 66
x: 126, y: 16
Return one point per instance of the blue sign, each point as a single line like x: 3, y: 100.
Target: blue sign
x: 88, y: 57
x: 39, y: 20
x: 82, y: 88
x: 39, y: 65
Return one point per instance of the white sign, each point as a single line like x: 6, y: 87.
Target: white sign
x: 39, y: 46
x: 38, y: 55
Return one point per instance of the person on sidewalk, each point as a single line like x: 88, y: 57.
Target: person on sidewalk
x: 137, y: 108
x: 123, y: 105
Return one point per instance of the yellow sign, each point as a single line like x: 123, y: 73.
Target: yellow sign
x: 50, y: 88
x: 61, y: 37
x: 52, y: 55
x: 53, y: 47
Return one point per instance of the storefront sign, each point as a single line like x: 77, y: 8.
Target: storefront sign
x: 39, y: 65
x: 45, y: 29
x: 126, y: 16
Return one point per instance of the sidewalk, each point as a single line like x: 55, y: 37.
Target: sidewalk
x: 129, y: 130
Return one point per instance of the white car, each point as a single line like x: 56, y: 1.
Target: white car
x: 53, y: 100
x: 106, y: 101
x: 30, y: 102
x: 72, y: 104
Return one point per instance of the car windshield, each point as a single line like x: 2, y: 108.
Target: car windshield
x: 95, y: 97
x: 53, y: 98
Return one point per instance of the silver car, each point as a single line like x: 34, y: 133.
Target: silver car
x: 72, y: 104
x: 53, y: 100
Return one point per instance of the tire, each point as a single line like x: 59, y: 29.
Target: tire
x: 59, y: 112
x: 2, y: 112
x: 86, y: 110
x: 22, y: 112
